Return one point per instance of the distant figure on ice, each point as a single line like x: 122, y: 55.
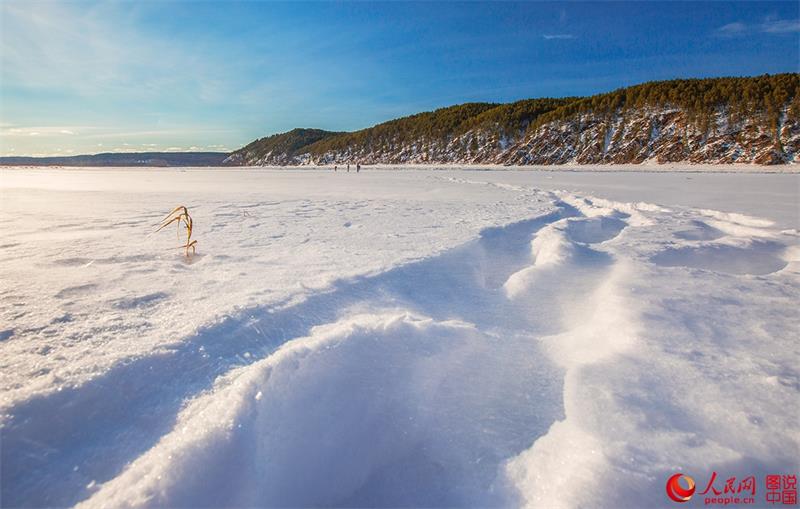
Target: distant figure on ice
x: 335, y: 168
x: 348, y: 167
x: 358, y: 167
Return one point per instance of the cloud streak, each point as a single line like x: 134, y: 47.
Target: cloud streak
x: 781, y: 26
x: 551, y: 37
x: 774, y: 26
x: 732, y: 29
x: 12, y: 130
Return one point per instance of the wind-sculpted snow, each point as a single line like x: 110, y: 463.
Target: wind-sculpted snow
x: 663, y: 374
x: 574, y: 356
x: 379, y: 409
x: 754, y: 257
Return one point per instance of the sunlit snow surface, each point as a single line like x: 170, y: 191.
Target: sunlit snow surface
x: 394, y: 338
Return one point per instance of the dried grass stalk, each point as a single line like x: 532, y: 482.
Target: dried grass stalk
x: 180, y: 215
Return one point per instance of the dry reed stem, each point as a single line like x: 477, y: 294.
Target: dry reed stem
x: 180, y: 214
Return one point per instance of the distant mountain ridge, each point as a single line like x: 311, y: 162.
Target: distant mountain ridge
x: 714, y: 120
x: 123, y: 159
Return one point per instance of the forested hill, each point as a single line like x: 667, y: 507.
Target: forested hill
x: 280, y: 148
x: 715, y: 120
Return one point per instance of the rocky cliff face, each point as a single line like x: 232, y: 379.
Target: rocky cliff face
x: 635, y: 136
x: 661, y: 136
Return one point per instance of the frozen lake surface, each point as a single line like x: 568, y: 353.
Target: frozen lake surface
x: 394, y: 337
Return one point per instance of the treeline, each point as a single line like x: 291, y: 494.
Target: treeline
x: 514, y: 117
x: 762, y: 97
x: 428, y: 126
x: 287, y: 144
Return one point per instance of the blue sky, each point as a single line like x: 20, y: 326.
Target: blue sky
x: 85, y: 77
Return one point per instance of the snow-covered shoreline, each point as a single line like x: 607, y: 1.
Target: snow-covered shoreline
x: 792, y: 168
x: 685, y: 167
x: 496, y: 338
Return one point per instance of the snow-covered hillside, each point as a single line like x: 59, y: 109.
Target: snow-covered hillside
x: 394, y: 338
x: 656, y: 135
x: 635, y: 136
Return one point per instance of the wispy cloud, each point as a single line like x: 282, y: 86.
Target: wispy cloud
x: 11, y: 130
x: 770, y: 26
x: 781, y: 26
x: 732, y: 29
x: 158, y: 134
x: 550, y: 37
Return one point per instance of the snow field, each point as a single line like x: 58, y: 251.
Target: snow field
x: 560, y: 350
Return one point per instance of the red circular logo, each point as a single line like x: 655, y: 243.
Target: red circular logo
x: 677, y: 492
